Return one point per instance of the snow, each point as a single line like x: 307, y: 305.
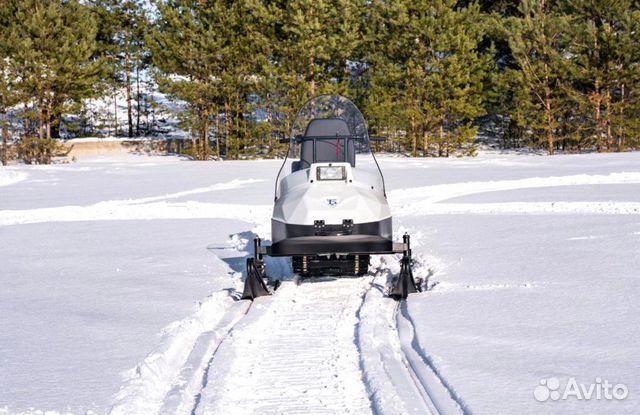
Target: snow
x: 119, y: 276
x: 325, y: 375
x: 9, y: 177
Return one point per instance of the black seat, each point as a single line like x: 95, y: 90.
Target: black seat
x: 327, y: 148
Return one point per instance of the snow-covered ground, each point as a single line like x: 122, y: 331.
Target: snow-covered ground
x: 116, y: 277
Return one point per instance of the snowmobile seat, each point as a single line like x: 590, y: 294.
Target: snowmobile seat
x: 324, y: 140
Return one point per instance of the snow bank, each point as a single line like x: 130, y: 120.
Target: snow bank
x: 8, y: 177
x: 117, y: 210
x: 539, y: 208
x: 439, y: 193
x: 147, y: 208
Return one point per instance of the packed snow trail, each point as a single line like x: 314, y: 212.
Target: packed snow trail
x: 398, y: 377
x: 294, y: 353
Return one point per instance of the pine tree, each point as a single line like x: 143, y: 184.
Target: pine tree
x: 53, y: 45
x: 602, y: 41
x: 122, y: 27
x: 428, y: 72
x: 539, y: 82
x: 314, y: 51
x: 211, y: 54
x: 8, y: 95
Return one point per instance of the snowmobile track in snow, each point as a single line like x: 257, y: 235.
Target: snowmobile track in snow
x: 322, y: 347
x: 308, y: 350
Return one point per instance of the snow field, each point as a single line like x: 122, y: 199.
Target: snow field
x: 532, y: 265
x: 9, y: 177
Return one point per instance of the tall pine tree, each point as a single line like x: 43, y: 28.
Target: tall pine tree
x: 539, y: 82
x: 8, y: 94
x: 428, y: 73
x: 602, y: 43
x: 212, y: 54
x: 53, y: 45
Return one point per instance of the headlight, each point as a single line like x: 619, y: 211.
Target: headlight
x: 331, y: 173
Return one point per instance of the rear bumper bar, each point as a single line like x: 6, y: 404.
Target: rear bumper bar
x: 327, y: 245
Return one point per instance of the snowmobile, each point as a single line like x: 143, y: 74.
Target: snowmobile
x: 330, y: 209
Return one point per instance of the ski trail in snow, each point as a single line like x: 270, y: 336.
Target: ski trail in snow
x: 391, y: 380
x: 146, y: 385
x: 438, y: 394
x: 294, y: 353
x: 388, y: 383
x: 182, y: 398
x: 233, y: 184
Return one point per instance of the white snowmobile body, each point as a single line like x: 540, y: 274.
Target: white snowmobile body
x: 331, y: 211
x: 333, y: 201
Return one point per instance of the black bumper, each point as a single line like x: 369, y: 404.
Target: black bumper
x: 320, y: 245
x: 348, y: 238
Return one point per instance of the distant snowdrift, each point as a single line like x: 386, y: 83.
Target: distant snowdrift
x: 425, y: 200
x: 539, y: 208
x: 118, y: 210
x: 146, y: 208
x: 8, y: 177
x: 441, y: 192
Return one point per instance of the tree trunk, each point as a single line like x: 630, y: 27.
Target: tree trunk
x: 137, y: 101
x: 129, y: 98
x: 414, y: 138
x: 607, y: 120
x: 217, y: 134
x: 597, y: 100
x: 194, y: 136
x: 205, y: 135
x: 547, y: 109
x: 41, y: 121
x: 49, y: 119
x: 549, y: 126
x: 425, y: 143
x: 312, y: 81
x: 441, y: 136
x: 227, y: 129
x: 25, y: 121
x: 49, y: 146
x: 621, y: 130
x: 237, y: 128
x: 5, y: 138
x: 270, y: 143
x: 115, y: 111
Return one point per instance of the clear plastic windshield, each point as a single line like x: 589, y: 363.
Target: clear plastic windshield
x: 330, y: 128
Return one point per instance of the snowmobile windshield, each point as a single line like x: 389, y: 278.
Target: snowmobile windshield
x: 329, y: 128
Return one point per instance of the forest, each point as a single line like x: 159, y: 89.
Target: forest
x: 553, y: 76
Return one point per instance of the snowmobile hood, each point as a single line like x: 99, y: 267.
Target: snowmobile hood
x: 306, y: 197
